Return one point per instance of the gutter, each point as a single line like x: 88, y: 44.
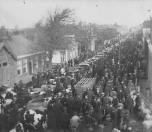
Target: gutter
x: 27, y: 55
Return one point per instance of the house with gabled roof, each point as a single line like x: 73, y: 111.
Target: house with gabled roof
x: 19, y: 59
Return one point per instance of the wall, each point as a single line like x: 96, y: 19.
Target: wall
x: 7, y: 72
x: 26, y: 77
x: 146, y: 32
x: 56, y: 58
x: 143, y: 83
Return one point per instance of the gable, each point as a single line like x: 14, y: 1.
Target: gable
x: 6, y: 50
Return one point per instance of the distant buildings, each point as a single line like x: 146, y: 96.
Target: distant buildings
x: 121, y: 28
x: 147, y: 29
x: 70, y: 52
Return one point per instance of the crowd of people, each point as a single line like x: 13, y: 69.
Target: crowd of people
x: 105, y: 107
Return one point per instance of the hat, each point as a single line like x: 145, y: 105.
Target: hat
x: 87, y: 112
x: 108, y: 115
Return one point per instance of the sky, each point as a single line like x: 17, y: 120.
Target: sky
x: 25, y: 13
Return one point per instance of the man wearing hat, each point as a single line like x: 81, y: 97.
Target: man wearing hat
x: 70, y: 104
x: 138, y: 103
x: 85, y: 106
x: 120, y: 96
x: 108, y: 124
x: 129, y: 104
x: 65, y: 120
x: 75, y: 121
x: 114, y: 116
x: 78, y: 103
x: 119, y: 115
x: 106, y: 100
x: 115, y: 101
x: 58, y: 111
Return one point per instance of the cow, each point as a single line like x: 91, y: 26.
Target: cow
x: 35, y: 118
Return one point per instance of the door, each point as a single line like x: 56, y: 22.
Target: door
x: 30, y: 68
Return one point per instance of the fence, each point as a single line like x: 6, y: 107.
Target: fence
x: 146, y: 102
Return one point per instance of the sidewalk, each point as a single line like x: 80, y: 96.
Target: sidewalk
x: 143, y: 82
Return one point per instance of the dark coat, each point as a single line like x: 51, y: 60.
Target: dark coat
x: 108, y: 126
x: 58, y: 109
x: 78, y: 104
x: 129, y: 103
x: 115, y: 102
x: 65, y: 120
x: 51, y: 120
x: 120, y: 96
x: 70, y: 103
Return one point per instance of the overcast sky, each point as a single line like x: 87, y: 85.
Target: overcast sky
x: 25, y: 13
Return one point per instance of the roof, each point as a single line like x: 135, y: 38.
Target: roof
x: 19, y: 45
x: 147, y: 24
x: 8, y: 49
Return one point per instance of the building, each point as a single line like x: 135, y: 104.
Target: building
x: 147, y: 29
x: 19, y: 59
x: 64, y: 54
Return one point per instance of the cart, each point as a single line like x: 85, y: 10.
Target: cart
x: 83, y: 85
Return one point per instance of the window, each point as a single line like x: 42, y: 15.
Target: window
x: 36, y: 62
x: 25, y: 66
x: 5, y: 64
x: 19, y: 67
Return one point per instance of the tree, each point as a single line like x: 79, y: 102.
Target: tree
x: 50, y: 33
x: 54, y: 27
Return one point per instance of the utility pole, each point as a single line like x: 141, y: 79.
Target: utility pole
x: 119, y: 48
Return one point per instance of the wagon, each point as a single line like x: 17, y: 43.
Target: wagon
x: 83, y: 85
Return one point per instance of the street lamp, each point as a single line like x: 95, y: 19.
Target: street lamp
x: 119, y: 38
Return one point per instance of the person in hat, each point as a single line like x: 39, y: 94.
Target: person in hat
x: 78, y: 103
x: 120, y: 96
x: 119, y: 115
x: 108, y: 124
x: 85, y: 106
x: 58, y: 111
x: 65, y: 120
x: 70, y: 104
x: 115, y: 101
x: 114, y: 116
x: 52, y: 123
x: 138, y: 103
x: 129, y: 103
x: 75, y: 120
x: 125, y: 89
x: 106, y: 100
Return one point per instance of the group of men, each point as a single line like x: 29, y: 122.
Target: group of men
x: 106, y: 106
x: 109, y: 103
